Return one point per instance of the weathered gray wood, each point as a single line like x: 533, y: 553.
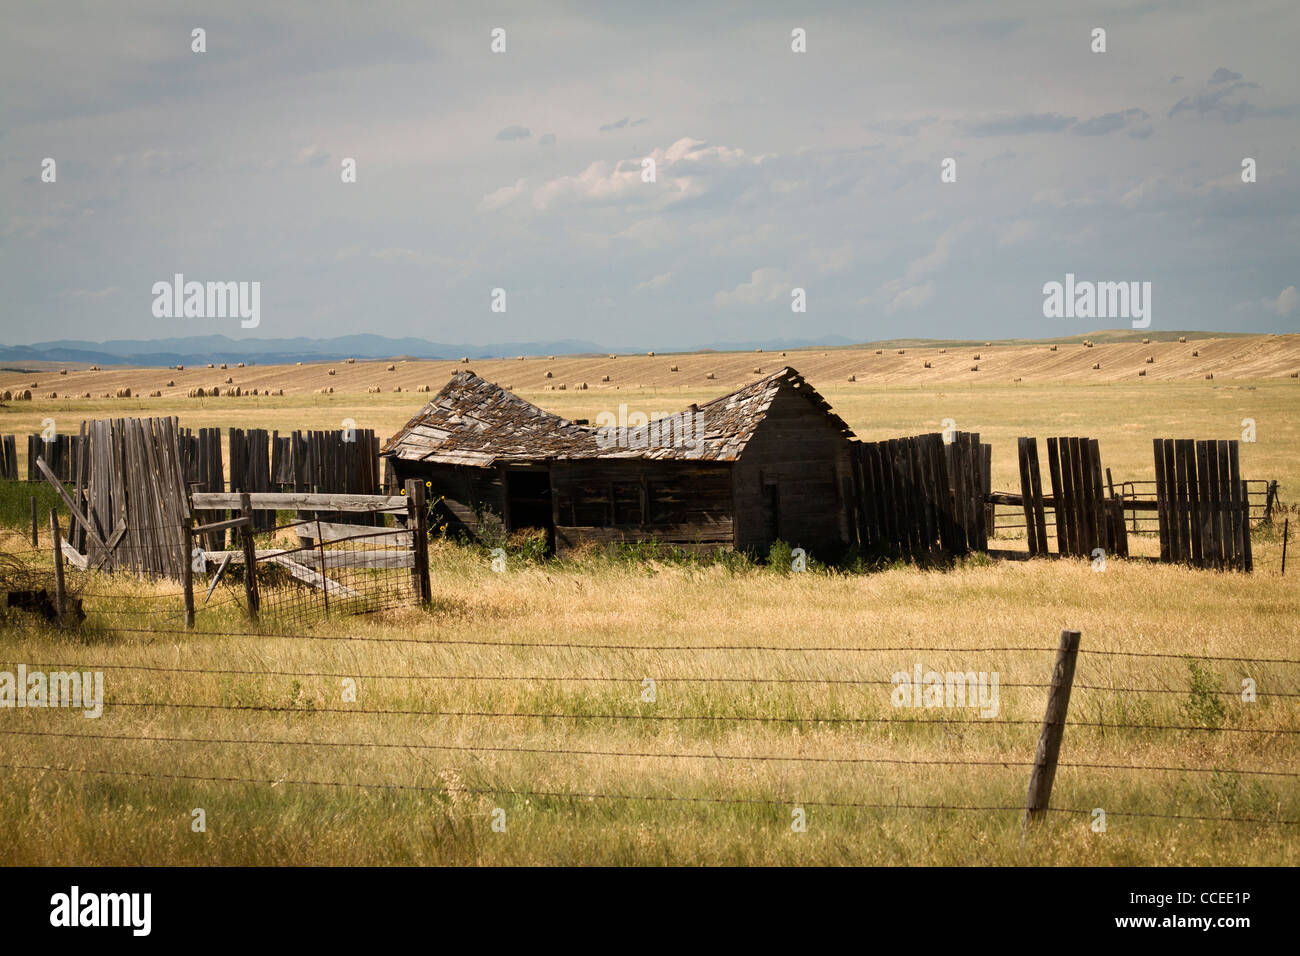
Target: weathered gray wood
x: 220, y: 525
x: 332, y: 532
x: 417, y: 523
x: 289, y: 500
x: 36, y: 541
x: 221, y: 570
x: 73, y: 556
x: 67, y: 500
x: 187, y: 573
x: 375, y: 560
x: 57, y: 539
x: 1053, y: 729
x: 311, y: 577
x: 250, y: 556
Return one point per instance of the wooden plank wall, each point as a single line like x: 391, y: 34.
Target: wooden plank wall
x: 920, y: 495
x: 9, y: 457
x: 130, y: 487
x: 1201, y: 504
x: 60, y: 454
x: 1085, y: 516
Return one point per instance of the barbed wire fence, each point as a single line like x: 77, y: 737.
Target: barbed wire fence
x: 1044, y: 760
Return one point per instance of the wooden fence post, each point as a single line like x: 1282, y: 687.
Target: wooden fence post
x: 36, y: 543
x: 1049, y: 738
x: 250, y: 555
x: 417, y: 523
x: 58, y: 566
x: 1286, y: 533
x: 187, y: 574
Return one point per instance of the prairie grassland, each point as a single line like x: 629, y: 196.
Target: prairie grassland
x: 513, y: 719
x: 797, y: 715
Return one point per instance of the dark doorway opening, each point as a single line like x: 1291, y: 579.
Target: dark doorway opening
x: 771, y: 512
x: 528, y: 501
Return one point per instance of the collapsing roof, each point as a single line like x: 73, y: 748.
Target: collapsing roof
x: 472, y: 421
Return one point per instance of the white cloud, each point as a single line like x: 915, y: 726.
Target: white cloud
x: 658, y: 282
x: 681, y: 171
x: 1018, y: 231
x: 503, y: 196
x: 764, y: 285
x: 1285, y: 302
x: 912, y: 297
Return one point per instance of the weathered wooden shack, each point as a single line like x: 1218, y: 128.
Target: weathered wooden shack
x: 769, y: 461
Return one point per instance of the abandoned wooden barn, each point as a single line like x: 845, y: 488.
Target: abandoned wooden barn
x: 769, y: 461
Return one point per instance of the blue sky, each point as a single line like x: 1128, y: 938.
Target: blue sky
x: 522, y: 170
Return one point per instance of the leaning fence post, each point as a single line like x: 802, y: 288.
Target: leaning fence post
x: 58, y: 566
x: 1286, y: 532
x: 187, y: 575
x: 250, y: 554
x: 417, y: 523
x: 1049, y: 738
x: 36, y: 543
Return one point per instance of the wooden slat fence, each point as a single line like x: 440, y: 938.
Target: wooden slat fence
x: 1202, y: 504
x: 920, y: 495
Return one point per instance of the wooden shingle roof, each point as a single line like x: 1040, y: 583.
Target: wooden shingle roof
x: 472, y: 421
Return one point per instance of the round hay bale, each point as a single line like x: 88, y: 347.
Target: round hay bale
x: 974, y: 368
x: 561, y: 387
x: 1209, y: 375
x: 278, y: 391
x: 1196, y: 353
x: 240, y: 365
x: 422, y: 388
x: 6, y: 396
x: 901, y: 351
x: 1142, y: 373
x: 298, y: 364
x: 95, y: 368
x: 214, y: 391
x: 549, y: 375
x: 229, y: 380
x: 237, y: 392
x: 1146, y: 341
x: 155, y: 394
x: 52, y: 395
x: 180, y: 368
x: 651, y: 354
x: 1096, y: 365
x: 373, y: 390
x: 397, y: 388
x: 612, y: 355
x: 352, y: 361
x: 209, y: 365
x: 880, y: 351
x: 853, y: 378
x: 1151, y: 360
x: 672, y: 368
x: 223, y: 366
x: 464, y: 360
x: 710, y: 375
x: 36, y: 384
x: 581, y: 386
x: 1053, y: 348
x: 1182, y: 338
x: 331, y: 371
x: 758, y: 371
x: 928, y: 365
x: 85, y: 395
x: 327, y: 390
x: 943, y: 351
x: 604, y: 378
x: 987, y: 344
x: 391, y: 368
x: 550, y: 358
x: 171, y: 383
x: 63, y: 371
x: 124, y: 392
x: 977, y: 358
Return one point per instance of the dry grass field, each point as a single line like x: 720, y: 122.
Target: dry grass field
x: 523, y: 691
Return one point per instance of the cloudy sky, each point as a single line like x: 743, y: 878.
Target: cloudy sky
x: 522, y: 170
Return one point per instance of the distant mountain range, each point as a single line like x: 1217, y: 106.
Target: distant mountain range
x: 196, y: 350
x: 219, y: 348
